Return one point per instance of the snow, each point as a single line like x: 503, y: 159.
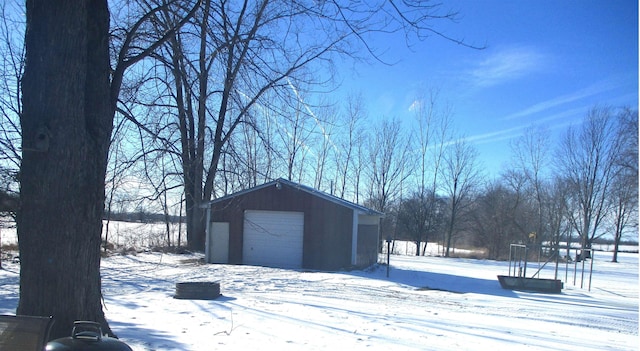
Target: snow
x: 428, y: 302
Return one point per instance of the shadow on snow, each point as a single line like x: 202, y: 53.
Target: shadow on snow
x: 424, y: 281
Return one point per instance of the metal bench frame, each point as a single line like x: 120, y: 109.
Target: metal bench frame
x: 25, y: 333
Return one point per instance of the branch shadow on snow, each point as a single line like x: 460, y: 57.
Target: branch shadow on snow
x: 130, y: 334
x: 425, y: 281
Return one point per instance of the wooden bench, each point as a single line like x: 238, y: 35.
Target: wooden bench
x: 24, y: 333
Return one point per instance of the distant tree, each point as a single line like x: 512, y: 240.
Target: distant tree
x: 388, y: 154
x: 296, y: 136
x: 251, y: 158
x: 624, y: 196
x: 494, y: 217
x: 386, y: 170
x: 531, y: 158
x: 460, y: 178
x: 347, y: 166
x: 360, y: 163
x: 628, y: 143
x: 411, y: 219
x: 504, y: 213
x: 587, y: 158
x: 556, y: 213
x: 326, y: 149
x: 419, y: 220
x: 432, y: 136
x: 527, y: 207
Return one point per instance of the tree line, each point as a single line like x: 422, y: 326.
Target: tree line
x: 431, y: 188
x: 428, y: 181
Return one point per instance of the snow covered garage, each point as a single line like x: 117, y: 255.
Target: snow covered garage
x: 288, y: 225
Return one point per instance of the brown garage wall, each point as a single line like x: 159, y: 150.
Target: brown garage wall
x: 327, y: 225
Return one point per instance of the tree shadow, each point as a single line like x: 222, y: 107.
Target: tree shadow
x: 425, y: 281
x: 129, y: 333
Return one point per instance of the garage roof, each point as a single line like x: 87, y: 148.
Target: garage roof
x: 307, y: 189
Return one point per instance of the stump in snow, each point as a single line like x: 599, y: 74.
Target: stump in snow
x: 197, y: 290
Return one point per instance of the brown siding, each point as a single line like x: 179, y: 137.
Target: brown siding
x: 327, y: 225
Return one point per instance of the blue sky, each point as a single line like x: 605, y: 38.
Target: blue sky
x: 545, y: 62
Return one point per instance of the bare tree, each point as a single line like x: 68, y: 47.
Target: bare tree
x: 61, y: 207
x: 240, y: 56
x: 325, y: 119
x: 624, y: 196
x: 460, y: 177
x: 234, y: 54
x: 557, y: 213
x: 360, y: 163
x: 421, y: 216
x: 496, y: 215
x: 587, y: 160
x: 70, y: 93
x: 346, y: 158
x: 531, y: 159
x: 115, y: 175
x: 295, y: 140
x: 411, y: 220
x: 249, y: 160
x: 388, y: 161
x: 628, y: 143
x: 387, y: 169
x: 433, y: 134
x: 624, y: 214
x: 11, y: 69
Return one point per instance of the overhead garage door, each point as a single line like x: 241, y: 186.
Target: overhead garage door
x: 273, y: 238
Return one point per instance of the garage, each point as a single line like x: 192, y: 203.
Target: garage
x: 289, y: 225
x: 273, y: 238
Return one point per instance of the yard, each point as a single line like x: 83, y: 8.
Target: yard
x: 426, y: 303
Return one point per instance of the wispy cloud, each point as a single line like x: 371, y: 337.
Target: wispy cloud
x: 592, y: 90
x: 506, y: 64
x: 494, y: 136
x: 560, y: 120
x: 415, y: 105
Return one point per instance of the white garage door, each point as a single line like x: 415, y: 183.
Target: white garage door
x: 273, y: 238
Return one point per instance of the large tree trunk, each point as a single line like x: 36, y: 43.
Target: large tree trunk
x: 66, y: 127
x: 193, y: 199
x: 195, y: 222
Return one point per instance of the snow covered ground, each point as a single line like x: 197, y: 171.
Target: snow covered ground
x: 427, y: 303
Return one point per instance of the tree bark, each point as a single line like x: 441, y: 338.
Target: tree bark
x: 66, y: 123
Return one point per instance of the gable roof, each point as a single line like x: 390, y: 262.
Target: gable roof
x: 307, y: 189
